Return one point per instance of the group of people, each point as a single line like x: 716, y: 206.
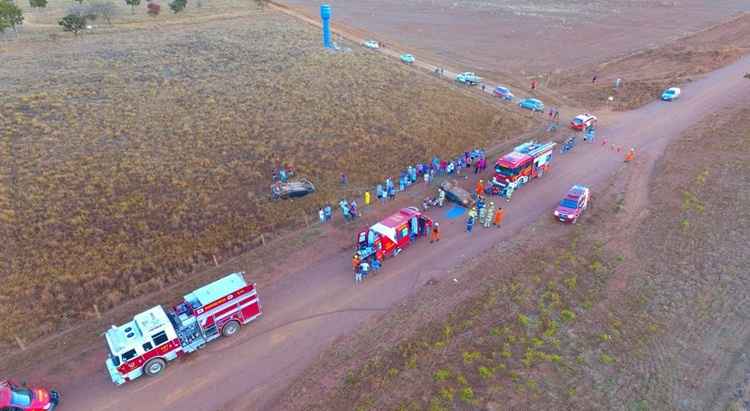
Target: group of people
x: 362, y: 267
x: 282, y: 173
x: 484, y: 214
x: 348, y: 209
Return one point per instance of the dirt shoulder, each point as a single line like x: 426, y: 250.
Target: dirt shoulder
x: 645, y: 74
x: 640, y: 306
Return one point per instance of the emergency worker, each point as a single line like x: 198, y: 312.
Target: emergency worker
x: 499, y: 215
x: 435, y: 232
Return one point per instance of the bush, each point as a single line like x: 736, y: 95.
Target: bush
x: 10, y: 15
x: 441, y: 375
x: 39, y: 4
x: 485, y: 372
x: 73, y: 23
x: 153, y: 9
x: 178, y: 5
x: 567, y: 315
x: 467, y: 394
x: 470, y: 357
x: 523, y: 320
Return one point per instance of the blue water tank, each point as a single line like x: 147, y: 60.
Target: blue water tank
x: 325, y: 16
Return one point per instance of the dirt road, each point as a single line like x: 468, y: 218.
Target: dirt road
x: 307, y: 309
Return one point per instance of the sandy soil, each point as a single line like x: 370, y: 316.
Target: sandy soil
x: 527, y: 37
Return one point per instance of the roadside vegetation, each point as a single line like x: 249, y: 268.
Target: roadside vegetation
x: 127, y: 162
x: 629, y: 310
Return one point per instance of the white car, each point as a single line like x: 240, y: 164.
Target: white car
x: 468, y: 78
x: 371, y: 44
x: 672, y: 93
x: 583, y: 121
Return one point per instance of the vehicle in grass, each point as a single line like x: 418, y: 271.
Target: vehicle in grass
x: 527, y: 161
x: 456, y: 194
x: 532, y: 104
x: 468, y: 78
x: 291, y: 189
x: 407, y: 58
x: 583, y: 121
x: 572, y: 205
x: 157, y: 335
x: 14, y: 397
x: 392, y: 234
x: 503, y: 93
x: 371, y: 44
x: 671, y: 94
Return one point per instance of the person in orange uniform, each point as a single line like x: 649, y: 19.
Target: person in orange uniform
x: 630, y: 156
x: 435, y: 233
x: 355, y: 262
x: 499, y: 214
x: 480, y: 187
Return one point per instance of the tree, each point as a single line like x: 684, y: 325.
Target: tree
x: 153, y: 9
x: 178, y: 5
x: 10, y: 15
x: 261, y: 3
x: 133, y: 4
x: 38, y: 3
x: 102, y: 8
x: 73, y: 23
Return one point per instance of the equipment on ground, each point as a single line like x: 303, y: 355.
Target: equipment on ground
x: 455, y: 193
x: 526, y: 162
x: 568, y: 145
x: 156, y: 336
x: 291, y: 189
x: 14, y: 397
x: 391, y: 235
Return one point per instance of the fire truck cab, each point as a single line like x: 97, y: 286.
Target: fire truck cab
x: 527, y: 161
x: 156, y: 336
x: 393, y: 234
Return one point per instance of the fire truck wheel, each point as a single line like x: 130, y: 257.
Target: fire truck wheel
x: 230, y: 328
x: 155, y: 367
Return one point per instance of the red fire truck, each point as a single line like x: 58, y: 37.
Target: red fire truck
x: 15, y: 397
x: 527, y: 161
x: 393, y: 234
x: 155, y: 336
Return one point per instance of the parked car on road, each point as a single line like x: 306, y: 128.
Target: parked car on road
x: 583, y: 121
x: 532, y: 104
x: 670, y: 94
x: 572, y: 205
x: 371, y: 44
x: 408, y: 58
x: 468, y: 78
x: 503, y: 92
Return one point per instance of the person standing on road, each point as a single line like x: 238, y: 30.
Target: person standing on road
x: 353, y: 209
x: 499, y: 214
x: 322, y: 216
x: 593, y: 80
x: 365, y: 268
x: 489, y: 215
x: 469, y: 224
x: 367, y: 198
x: 355, y: 261
x: 480, y: 187
x: 435, y: 232
x: 328, y: 212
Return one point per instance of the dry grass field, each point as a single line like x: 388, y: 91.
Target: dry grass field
x: 128, y: 158
x: 640, y: 307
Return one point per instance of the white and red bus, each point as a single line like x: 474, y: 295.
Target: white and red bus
x: 156, y: 336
